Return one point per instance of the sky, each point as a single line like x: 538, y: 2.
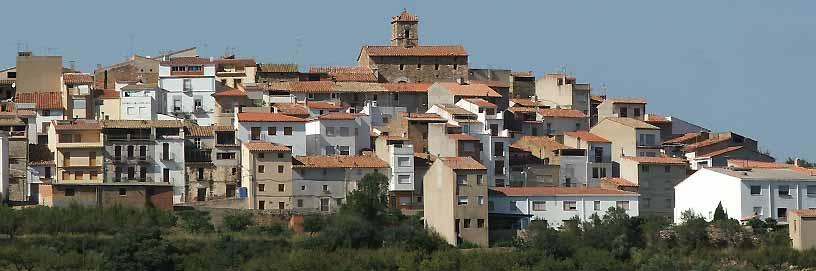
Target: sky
x: 745, y: 66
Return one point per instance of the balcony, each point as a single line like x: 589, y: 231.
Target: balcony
x: 197, y: 156
x: 127, y: 137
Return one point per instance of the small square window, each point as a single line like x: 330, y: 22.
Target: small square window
x: 122, y: 192
x: 784, y: 190
x: 570, y: 206
x: 596, y: 205
x: 480, y: 223
x: 261, y: 187
x: 539, y: 205
x: 280, y: 169
x: 462, y: 200
x: 756, y: 190
x: 281, y: 187
x: 261, y: 169
x: 466, y: 223
x: 325, y: 187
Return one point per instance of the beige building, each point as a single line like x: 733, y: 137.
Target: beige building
x: 268, y: 175
x: 656, y: 178
x: 232, y: 72
x: 455, y: 190
x: 622, y: 108
x: 561, y: 90
x: 78, y: 149
x: 141, y: 69
x: 108, y: 105
x: 38, y: 73
x: 802, y: 228
x: 630, y: 137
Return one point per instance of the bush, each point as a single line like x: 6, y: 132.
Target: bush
x: 238, y: 221
x: 196, y: 221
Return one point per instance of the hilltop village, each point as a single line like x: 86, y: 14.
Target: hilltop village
x: 478, y: 153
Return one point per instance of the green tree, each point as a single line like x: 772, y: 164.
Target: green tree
x: 370, y: 199
x: 238, y: 221
x: 196, y: 221
x: 313, y: 223
x: 139, y: 250
x: 719, y: 213
x: 691, y: 233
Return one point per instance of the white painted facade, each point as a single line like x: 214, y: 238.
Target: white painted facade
x: 173, y: 161
x: 196, y: 101
x: 142, y: 104
x: 296, y: 141
x: 337, y: 137
x: 380, y: 115
x: 556, y: 208
x: 745, y: 193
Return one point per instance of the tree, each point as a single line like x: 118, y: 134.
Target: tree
x: 719, y: 213
x: 313, y: 223
x: 140, y: 249
x: 692, y: 231
x: 238, y: 221
x: 196, y: 221
x: 370, y: 199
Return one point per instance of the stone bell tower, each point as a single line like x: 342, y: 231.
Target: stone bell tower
x: 404, y: 32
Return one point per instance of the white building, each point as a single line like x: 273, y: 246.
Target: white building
x: 273, y: 128
x: 554, y: 205
x: 190, y: 83
x: 597, y: 163
x: 398, y: 152
x: 338, y: 133
x: 141, y: 101
x: 744, y: 193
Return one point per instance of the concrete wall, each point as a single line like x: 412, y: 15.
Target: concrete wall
x: 441, y: 210
x: 39, y: 74
x: 554, y: 213
x: 704, y: 190
x: 656, y: 185
x: 297, y: 140
x: 802, y: 231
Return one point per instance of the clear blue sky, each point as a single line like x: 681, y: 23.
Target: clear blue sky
x: 746, y: 66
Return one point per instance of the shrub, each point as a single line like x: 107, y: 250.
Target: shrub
x: 238, y: 221
x: 196, y: 221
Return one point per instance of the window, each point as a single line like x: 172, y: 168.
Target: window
x: 598, y: 172
x: 782, y: 213
x: 287, y: 130
x: 498, y: 149
x: 344, y: 131
x: 811, y: 190
x: 225, y: 156
x: 47, y: 172
x: 480, y: 223
x: 478, y: 179
x: 644, y: 168
x: 436, y: 67
x: 70, y: 192
x: 281, y: 205
x: 79, y: 104
x: 622, y: 204
x: 280, y: 169
x: 280, y: 155
x: 462, y: 200
x: 461, y: 179
x: 402, y: 67
x: 622, y: 113
x: 784, y: 190
x: 647, y: 140
x: 272, y: 130
x: 756, y: 190
x: 166, y: 175
x: 481, y: 200
x: 419, y: 66
x: 455, y: 66
x: 570, y: 206
x: 261, y: 205
x: 176, y: 103
x: 466, y: 223
x: 255, y: 133
x: 188, y: 84
x: 636, y: 112
x: 330, y: 131
x: 300, y: 203
x: 261, y: 169
x: 281, y: 187
x: 261, y: 155
x: 499, y: 167
x: 596, y: 205
x: 539, y: 205
x: 166, y: 151
x: 131, y: 173
x: 404, y: 179
x: 198, y: 103
x: 758, y: 210
x: 302, y: 188
x: 46, y: 113
x: 404, y: 161
x: 261, y: 187
x: 122, y: 192
x: 667, y: 169
x: 329, y: 150
x: 343, y: 150
x: 79, y: 175
x: 142, y: 152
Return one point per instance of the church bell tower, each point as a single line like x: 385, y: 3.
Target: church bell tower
x: 404, y: 32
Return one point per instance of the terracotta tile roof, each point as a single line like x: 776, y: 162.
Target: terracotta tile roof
x: 707, y: 142
x: 338, y: 116
x: 538, y: 141
x: 76, y: 125
x: 522, y: 74
x: 239, y: 62
x: 805, y: 212
x: 308, y: 86
x: 323, y: 105
x: 462, y: 137
x: 683, y: 138
x: 187, y: 61
x: 755, y: 164
x: 141, y: 124
x: 11, y: 122
x: 656, y: 160
x: 18, y: 113
x: 470, y: 90
x: 561, y: 113
x: 626, y: 100
x: 339, y: 161
x: 223, y: 128
x: 524, y: 102
x: 347, y: 74
x: 41, y: 100
x: 405, y: 16
x: 519, y: 109
x: 587, y: 136
x: 550, y: 191
x: 407, y: 87
x: 656, y: 118
x: 292, y: 109
x: 41, y: 163
x: 7, y: 81
x: 281, y: 68
x: 455, y: 110
x: 493, y: 83
x: 267, y: 117
x: 620, y: 182
x: 233, y: 92
x: 481, y: 102
x: 597, y: 98
x: 230, y: 74
x: 423, y: 50
x: 263, y: 146
x: 720, y: 151
x: 199, y: 131
x: 77, y: 78
x: 107, y: 94
x: 637, y: 124
x: 462, y: 163
x: 419, y: 116
x: 358, y: 87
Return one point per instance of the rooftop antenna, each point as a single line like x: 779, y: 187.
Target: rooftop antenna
x: 298, y: 47
x: 603, y: 89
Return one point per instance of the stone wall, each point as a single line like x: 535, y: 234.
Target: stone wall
x: 420, y: 69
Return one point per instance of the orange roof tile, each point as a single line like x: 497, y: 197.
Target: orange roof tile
x: 621, y: 182
x: 633, y: 123
x: 347, y: 74
x: 493, y: 83
x: 522, y: 74
x: 280, y: 68
x: 238, y: 62
x: 76, y: 125
x: 524, y: 102
x: 107, y: 94
x: 683, y: 138
x: 462, y: 163
x: 41, y: 100
x: 233, y: 92
x: 481, y: 102
x: 626, y: 100
x: 707, y: 142
x: 587, y: 136
x: 267, y: 117
x: 470, y: 90
x: 339, y: 161
x: 405, y: 16
x: 292, y: 109
x: 199, y: 131
x: 550, y: 191
x: 423, y: 50
x: 141, y: 124
x: 519, y: 109
x: 77, y: 78
x: 720, y: 151
x: 338, y: 116
x: 561, y: 113
x: 755, y: 164
x: 656, y: 160
x: 657, y: 118
x: 187, y: 61
x: 323, y: 105
x: 263, y: 146
x: 407, y: 87
x: 597, y: 98
x: 538, y: 141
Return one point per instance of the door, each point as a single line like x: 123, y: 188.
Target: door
x: 230, y: 191
x: 324, y: 204
x: 202, y: 194
x: 255, y: 133
x: 598, y: 154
